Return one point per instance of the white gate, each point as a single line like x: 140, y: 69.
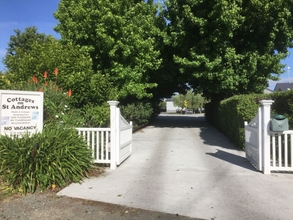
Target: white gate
x: 110, y: 145
x: 124, y: 137
x: 253, y: 141
x: 267, y: 150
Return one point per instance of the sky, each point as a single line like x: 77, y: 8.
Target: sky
x: 20, y: 14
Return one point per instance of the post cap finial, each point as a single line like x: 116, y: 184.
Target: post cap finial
x: 113, y: 103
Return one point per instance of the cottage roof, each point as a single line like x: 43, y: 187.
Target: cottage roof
x: 283, y: 86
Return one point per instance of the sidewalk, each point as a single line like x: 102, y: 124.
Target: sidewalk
x: 182, y: 165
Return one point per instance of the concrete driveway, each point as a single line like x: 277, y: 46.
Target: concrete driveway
x: 182, y: 165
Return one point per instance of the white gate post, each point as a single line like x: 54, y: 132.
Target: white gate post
x: 260, y: 140
x: 265, y: 136
x: 113, y: 122
x: 117, y: 161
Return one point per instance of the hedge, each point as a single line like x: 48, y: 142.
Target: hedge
x: 229, y: 115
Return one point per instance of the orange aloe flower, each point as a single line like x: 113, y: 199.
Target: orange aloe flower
x: 35, y: 79
x: 40, y: 90
x: 69, y: 93
x: 56, y: 71
x: 45, y: 74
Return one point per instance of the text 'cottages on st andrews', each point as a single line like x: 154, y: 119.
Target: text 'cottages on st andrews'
x: 21, y: 112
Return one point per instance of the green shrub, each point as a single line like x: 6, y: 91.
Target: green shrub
x: 96, y: 116
x: 57, y: 103
x: 53, y: 158
x: 234, y: 111
x: 139, y: 113
x: 283, y: 105
x: 229, y: 115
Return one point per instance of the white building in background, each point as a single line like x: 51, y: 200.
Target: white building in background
x: 170, y: 107
x: 267, y: 91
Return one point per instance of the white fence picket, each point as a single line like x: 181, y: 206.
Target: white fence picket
x: 281, y: 151
x: 266, y: 150
x: 98, y: 140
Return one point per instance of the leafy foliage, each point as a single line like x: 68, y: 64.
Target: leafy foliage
x: 23, y: 40
x: 178, y: 100
x: 195, y: 101
x: 96, y: 116
x: 55, y: 157
x: 59, y: 105
x: 32, y: 57
x: 113, y: 50
x: 225, y: 48
x: 120, y: 37
x: 4, y: 82
x: 283, y: 105
x: 139, y: 113
x: 189, y: 100
x: 229, y: 115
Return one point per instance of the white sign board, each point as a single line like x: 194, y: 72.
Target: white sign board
x: 21, y: 112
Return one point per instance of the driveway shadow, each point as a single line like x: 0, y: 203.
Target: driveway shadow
x: 233, y: 159
x: 178, y: 121
x: 209, y: 135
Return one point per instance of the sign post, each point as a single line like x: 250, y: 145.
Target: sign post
x: 21, y: 112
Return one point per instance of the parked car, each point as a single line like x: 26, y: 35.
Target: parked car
x: 183, y: 111
x: 198, y: 110
x: 189, y: 111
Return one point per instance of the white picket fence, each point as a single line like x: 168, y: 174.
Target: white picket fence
x: 267, y: 150
x: 98, y: 139
x: 110, y: 145
x: 281, y: 151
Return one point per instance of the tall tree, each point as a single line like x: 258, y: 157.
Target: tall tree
x: 32, y: 56
x: 178, y: 100
x: 230, y: 47
x: 194, y: 101
x: 24, y: 40
x: 189, y: 100
x: 120, y: 37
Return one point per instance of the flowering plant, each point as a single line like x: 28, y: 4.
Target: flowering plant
x: 57, y: 107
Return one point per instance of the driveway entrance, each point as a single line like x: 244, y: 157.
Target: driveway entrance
x: 182, y: 165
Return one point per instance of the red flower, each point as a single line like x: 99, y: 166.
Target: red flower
x: 69, y: 93
x: 40, y: 90
x: 35, y: 79
x: 45, y: 74
x: 56, y: 71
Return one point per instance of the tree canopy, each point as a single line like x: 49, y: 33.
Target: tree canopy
x: 30, y: 54
x: 136, y: 49
x: 229, y: 47
x: 121, y: 37
x: 189, y: 100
